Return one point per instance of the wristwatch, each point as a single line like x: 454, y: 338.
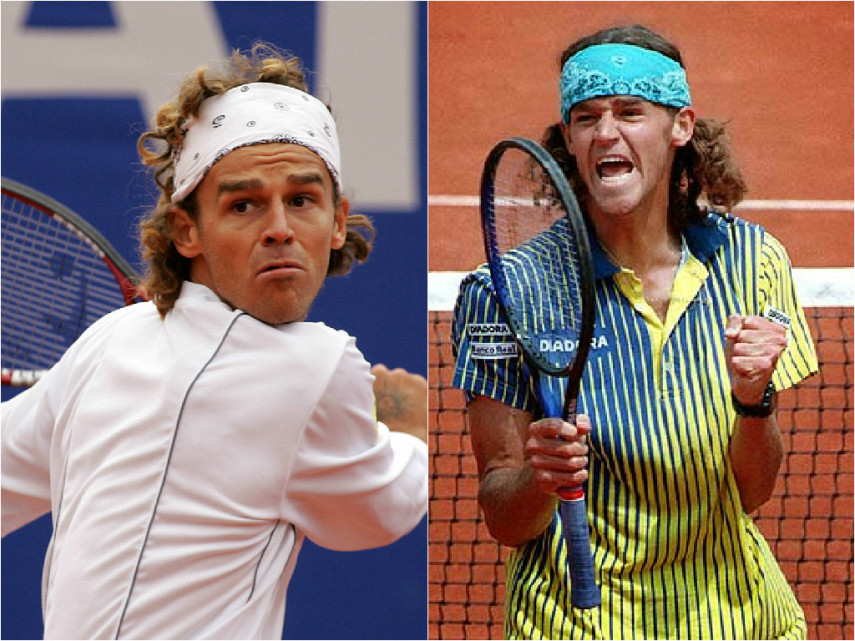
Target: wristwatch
x: 763, y: 409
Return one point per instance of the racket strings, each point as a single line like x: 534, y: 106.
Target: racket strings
x: 54, y: 285
x: 539, y: 259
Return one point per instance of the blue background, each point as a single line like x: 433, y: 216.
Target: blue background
x: 81, y: 151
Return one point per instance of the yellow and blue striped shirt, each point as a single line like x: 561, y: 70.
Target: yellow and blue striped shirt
x: 675, y: 554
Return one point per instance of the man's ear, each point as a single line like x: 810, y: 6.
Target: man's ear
x: 684, y: 127
x: 185, y: 233
x: 339, y: 234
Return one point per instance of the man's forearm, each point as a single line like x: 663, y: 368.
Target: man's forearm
x: 756, y: 453
x: 515, y: 510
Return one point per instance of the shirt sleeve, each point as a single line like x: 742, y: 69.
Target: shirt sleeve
x: 27, y: 433
x: 778, y: 300
x: 488, y: 361
x: 355, y: 484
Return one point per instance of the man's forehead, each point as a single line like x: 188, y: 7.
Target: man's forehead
x: 294, y: 160
x: 611, y: 101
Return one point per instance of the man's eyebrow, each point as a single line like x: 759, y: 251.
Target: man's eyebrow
x: 306, y: 178
x: 228, y: 186
x: 249, y: 184
x: 620, y: 101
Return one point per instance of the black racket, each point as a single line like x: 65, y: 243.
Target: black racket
x: 539, y: 256
x: 59, y: 275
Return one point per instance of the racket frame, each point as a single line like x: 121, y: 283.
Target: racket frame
x: 576, y: 223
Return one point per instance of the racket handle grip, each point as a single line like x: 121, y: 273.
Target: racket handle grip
x: 584, y: 592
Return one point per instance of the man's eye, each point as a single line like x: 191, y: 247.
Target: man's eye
x: 242, y: 207
x: 587, y: 120
x: 301, y: 201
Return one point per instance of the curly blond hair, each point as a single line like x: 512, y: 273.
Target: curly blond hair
x: 166, y: 269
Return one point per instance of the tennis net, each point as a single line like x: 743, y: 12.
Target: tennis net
x: 808, y: 521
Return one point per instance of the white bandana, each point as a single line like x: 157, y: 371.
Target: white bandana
x: 254, y: 114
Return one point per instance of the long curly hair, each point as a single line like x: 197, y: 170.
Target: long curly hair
x: 704, y: 174
x: 166, y: 269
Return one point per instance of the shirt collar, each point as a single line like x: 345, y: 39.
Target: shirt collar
x: 703, y: 239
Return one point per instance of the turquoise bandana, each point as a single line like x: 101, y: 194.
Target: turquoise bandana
x: 622, y: 70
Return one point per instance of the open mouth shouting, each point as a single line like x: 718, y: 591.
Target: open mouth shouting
x: 614, y: 168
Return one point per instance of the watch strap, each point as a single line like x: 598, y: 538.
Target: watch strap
x: 762, y: 409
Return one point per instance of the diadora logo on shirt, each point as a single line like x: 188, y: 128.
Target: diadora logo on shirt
x: 488, y: 329
x: 569, y: 345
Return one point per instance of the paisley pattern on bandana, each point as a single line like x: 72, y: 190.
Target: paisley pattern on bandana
x: 253, y: 114
x: 622, y: 70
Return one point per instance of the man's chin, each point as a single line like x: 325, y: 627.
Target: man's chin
x: 615, y: 209
x: 280, y: 315
x: 282, y: 319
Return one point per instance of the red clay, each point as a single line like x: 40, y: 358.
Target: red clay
x: 779, y: 72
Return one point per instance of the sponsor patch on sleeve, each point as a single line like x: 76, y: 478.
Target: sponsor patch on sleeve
x: 493, y: 351
x: 476, y: 330
x: 776, y: 316
x: 491, y: 341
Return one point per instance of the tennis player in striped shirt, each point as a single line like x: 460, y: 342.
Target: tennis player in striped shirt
x: 698, y: 327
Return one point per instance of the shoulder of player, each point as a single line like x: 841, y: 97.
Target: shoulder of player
x: 748, y: 233
x: 108, y: 323
x: 476, y: 281
x: 89, y: 347
x: 475, y: 293
x: 741, y: 229
x: 740, y: 234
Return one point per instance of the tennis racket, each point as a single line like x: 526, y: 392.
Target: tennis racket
x: 59, y: 275
x: 539, y: 257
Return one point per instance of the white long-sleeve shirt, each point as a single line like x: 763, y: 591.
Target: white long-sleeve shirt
x: 184, y: 461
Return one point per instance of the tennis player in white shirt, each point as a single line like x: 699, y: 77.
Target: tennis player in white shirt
x: 187, y: 446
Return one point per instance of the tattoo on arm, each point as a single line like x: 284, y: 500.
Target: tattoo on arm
x: 392, y: 403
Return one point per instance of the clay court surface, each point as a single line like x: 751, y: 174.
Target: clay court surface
x: 781, y: 74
